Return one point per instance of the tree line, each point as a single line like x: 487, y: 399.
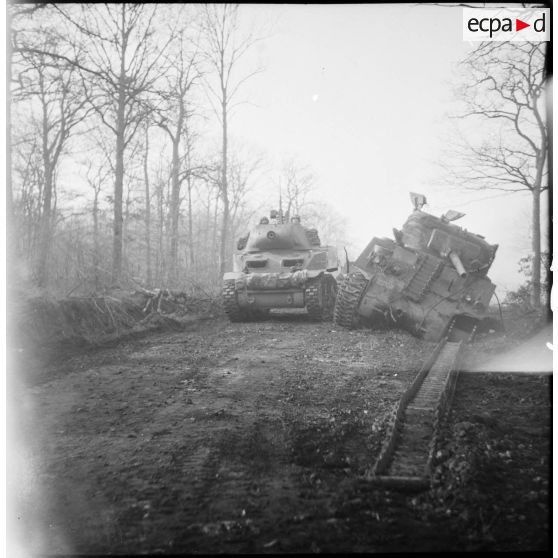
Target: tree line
x: 503, y: 92
x: 125, y: 169
x: 135, y: 104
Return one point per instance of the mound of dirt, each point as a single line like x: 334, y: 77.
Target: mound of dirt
x: 41, y: 323
x: 44, y: 321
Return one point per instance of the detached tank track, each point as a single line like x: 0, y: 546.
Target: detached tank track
x: 230, y: 303
x: 319, y: 296
x: 348, y: 297
x: 407, y: 456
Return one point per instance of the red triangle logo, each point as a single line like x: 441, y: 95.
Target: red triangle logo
x: 519, y: 25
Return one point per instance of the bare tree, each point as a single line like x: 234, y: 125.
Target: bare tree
x: 57, y: 105
x: 161, y: 198
x: 243, y: 174
x: 173, y: 116
x: 225, y: 47
x: 162, y: 205
x: 296, y: 184
x: 116, y: 54
x: 96, y: 176
x: 503, y: 89
x: 189, y: 190
x: 17, y: 16
x: 28, y: 174
x: 148, y: 272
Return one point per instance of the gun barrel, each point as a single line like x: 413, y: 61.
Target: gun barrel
x: 456, y: 261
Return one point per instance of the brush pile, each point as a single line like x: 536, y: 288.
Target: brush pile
x: 42, y: 321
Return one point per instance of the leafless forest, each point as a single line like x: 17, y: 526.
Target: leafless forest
x: 125, y: 167
x: 140, y: 419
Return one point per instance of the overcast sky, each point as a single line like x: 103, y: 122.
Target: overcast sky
x: 361, y: 93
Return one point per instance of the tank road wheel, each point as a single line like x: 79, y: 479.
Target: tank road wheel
x: 319, y: 296
x: 230, y: 303
x: 348, y: 298
x: 330, y: 296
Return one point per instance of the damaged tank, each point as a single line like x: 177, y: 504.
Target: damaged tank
x: 431, y: 279
x: 281, y: 264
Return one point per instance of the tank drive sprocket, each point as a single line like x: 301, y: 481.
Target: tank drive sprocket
x: 348, y: 298
x: 320, y: 297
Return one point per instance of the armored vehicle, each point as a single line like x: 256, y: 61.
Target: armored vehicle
x: 431, y: 279
x: 281, y: 264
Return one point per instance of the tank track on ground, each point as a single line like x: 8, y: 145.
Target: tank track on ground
x: 348, y: 298
x: 320, y: 298
x: 234, y: 312
x: 230, y: 304
x: 407, y: 457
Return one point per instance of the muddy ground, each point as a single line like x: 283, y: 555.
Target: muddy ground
x: 258, y: 437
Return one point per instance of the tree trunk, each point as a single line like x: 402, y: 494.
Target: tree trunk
x: 190, y: 224
x: 148, y: 277
x: 174, y: 210
x: 118, y: 191
x: 224, y: 192
x: 127, y: 266
x: 214, y: 227
x: 206, y: 231
x: 536, y: 224
x: 96, y: 239
x: 160, y: 251
x: 44, y: 243
x: 536, y: 247
x: 44, y: 228
x: 119, y: 164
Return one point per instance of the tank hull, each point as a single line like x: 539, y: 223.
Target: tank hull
x: 428, y: 281
x: 281, y: 266
x: 272, y: 290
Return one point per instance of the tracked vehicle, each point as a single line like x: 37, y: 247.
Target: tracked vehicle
x: 431, y: 279
x: 281, y: 264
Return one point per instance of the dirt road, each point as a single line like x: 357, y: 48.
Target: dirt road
x: 222, y: 438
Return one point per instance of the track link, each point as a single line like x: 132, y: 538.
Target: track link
x: 348, y: 298
x: 319, y: 296
x: 230, y: 303
x: 406, y: 457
